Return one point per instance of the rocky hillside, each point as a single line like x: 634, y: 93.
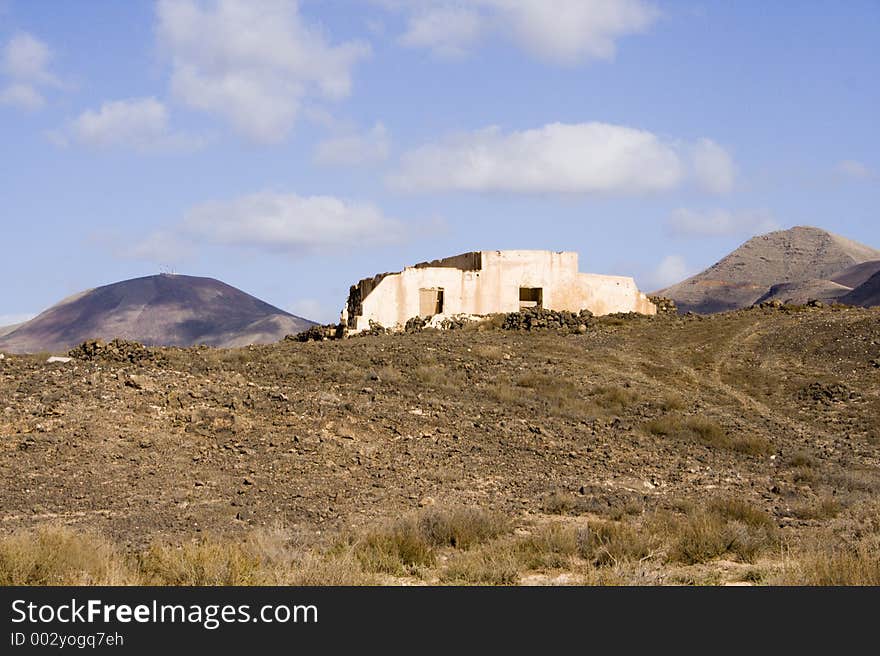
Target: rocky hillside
x: 162, y: 310
x: 693, y: 449
x: 800, y: 262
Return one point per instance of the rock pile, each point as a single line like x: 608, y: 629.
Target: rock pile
x: 319, y: 333
x: 118, y: 350
x: 664, y: 305
x: 544, y: 319
x: 827, y: 394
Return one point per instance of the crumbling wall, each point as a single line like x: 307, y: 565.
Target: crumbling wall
x: 356, y: 295
x: 472, y: 261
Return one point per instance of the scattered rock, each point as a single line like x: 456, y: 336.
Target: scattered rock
x: 827, y: 394
x: 58, y: 358
x: 139, y: 382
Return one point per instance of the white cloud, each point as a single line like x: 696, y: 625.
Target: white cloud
x: 137, y: 123
x: 578, y: 158
x: 713, y: 167
x: 355, y: 149
x: 561, y: 31
x: 25, y: 61
x: 720, y: 223
x: 447, y: 31
x: 855, y: 169
x: 252, y: 63
x: 23, y: 96
x: 25, y: 57
x: 671, y: 270
x: 291, y: 223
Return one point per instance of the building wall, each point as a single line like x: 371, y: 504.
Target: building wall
x: 495, y: 288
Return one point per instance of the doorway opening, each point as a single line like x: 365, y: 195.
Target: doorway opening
x: 530, y: 297
x: 430, y: 302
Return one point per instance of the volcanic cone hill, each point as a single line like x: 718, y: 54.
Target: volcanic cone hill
x: 787, y: 265
x: 160, y: 310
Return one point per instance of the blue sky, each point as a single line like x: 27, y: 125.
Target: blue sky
x: 290, y: 149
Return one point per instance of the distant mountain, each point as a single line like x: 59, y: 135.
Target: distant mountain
x: 806, y: 256
x: 857, y: 275
x: 161, y: 310
x: 867, y: 294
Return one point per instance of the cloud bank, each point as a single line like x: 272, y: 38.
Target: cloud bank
x: 24, y: 62
x: 562, y: 31
x: 252, y: 63
x: 584, y: 158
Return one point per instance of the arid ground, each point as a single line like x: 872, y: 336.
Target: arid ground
x: 738, y: 448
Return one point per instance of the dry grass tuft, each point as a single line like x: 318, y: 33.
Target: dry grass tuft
x: 56, y: 555
x: 721, y: 527
x: 396, y: 548
x: 856, y: 564
x: 612, y: 543
x: 707, y: 431
x: 461, y: 527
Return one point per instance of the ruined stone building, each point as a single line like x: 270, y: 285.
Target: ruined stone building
x: 486, y: 282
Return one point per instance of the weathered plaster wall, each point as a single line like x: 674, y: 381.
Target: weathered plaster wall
x: 495, y: 288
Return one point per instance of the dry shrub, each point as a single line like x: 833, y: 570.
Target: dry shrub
x: 483, y: 567
x: 559, y: 503
x: 397, y: 548
x: 854, y: 480
x: 612, y: 543
x: 614, y: 507
x: 56, y: 555
x: 614, y: 398
x: 329, y: 569
x: 555, y: 395
x: 206, y: 562
x: 460, y: 527
x: 707, y: 431
x: 389, y: 375
x: 672, y: 402
x: 801, y: 459
x: 822, y: 508
x: 550, y: 546
x: 434, y: 376
x: 506, y: 394
x: 854, y: 564
x: 722, y: 526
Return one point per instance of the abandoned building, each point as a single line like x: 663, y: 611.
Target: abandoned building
x: 486, y: 282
